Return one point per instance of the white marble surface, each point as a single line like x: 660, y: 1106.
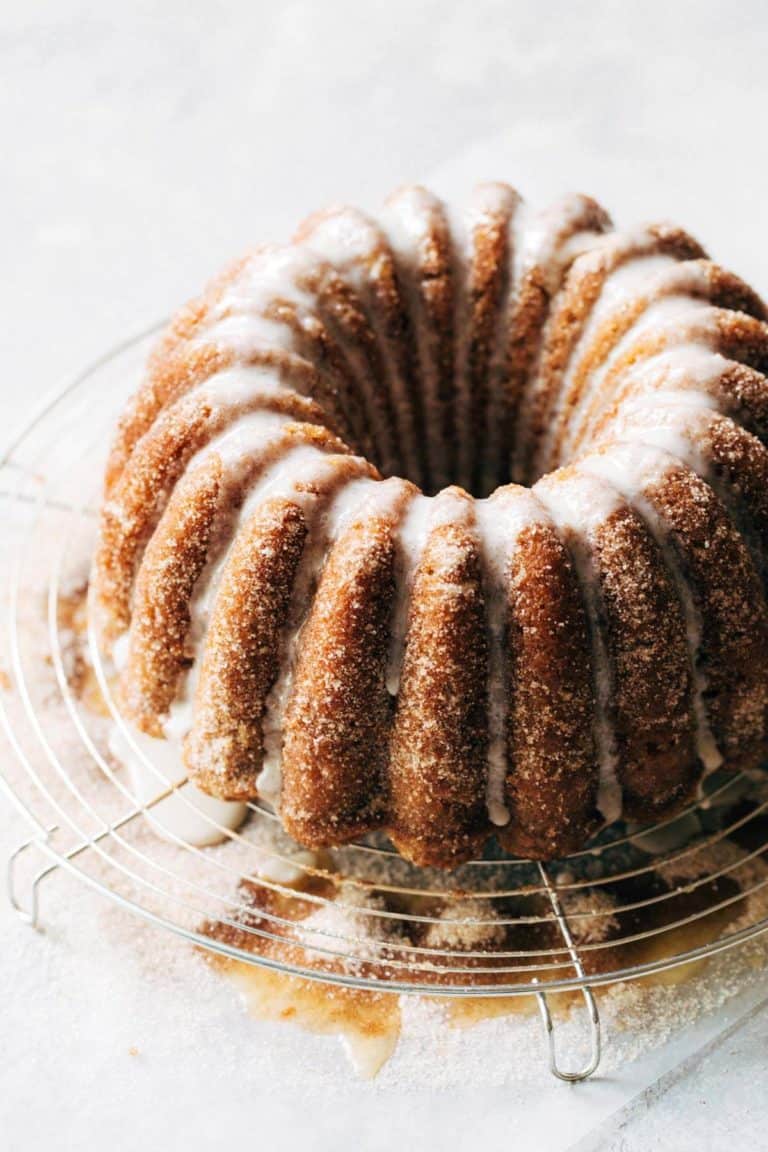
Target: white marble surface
x: 144, y: 145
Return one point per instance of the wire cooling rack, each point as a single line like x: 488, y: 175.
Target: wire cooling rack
x: 87, y: 819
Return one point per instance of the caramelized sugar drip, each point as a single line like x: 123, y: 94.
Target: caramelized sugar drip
x: 610, y: 931
x: 368, y: 1022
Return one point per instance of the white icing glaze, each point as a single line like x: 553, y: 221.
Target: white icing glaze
x: 288, y: 476
x: 408, y: 221
x: 325, y: 520
x: 669, y: 312
x: 188, y: 815
x: 500, y: 521
x: 679, y: 422
x: 181, y: 712
x: 684, y: 364
x: 638, y: 277
x: 287, y: 872
x: 246, y: 334
x: 663, y: 318
x: 243, y: 440
x: 362, y: 499
x: 120, y: 650
x: 675, y: 368
x: 540, y: 240
x: 460, y: 225
x: 662, y: 399
x: 546, y: 243
x: 412, y: 536
x: 354, y: 246
x: 406, y: 217
x: 492, y: 199
x: 237, y: 385
x: 273, y: 275
x: 578, y: 505
x: 347, y: 240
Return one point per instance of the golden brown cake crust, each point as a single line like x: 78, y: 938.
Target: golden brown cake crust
x: 224, y: 750
x: 551, y: 784
x: 652, y: 682
x: 335, y: 753
x: 436, y: 778
x: 163, y: 589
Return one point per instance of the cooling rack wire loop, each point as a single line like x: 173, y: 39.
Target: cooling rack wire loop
x: 593, y: 1063
x: 27, y: 909
x: 600, y: 917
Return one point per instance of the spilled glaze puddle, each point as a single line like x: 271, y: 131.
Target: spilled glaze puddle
x: 369, y: 1023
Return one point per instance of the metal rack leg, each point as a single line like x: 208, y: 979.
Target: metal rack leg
x: 28, y: 910
x: 594, y: 1017
x: 594, y: 1033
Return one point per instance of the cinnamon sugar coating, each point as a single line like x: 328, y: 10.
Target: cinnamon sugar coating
x: 438, y: 746
x: 335, y: 751
x: 224, y: 750
x: 551, y: 781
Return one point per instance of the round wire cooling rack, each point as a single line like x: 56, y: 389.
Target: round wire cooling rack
x: 631, y: 905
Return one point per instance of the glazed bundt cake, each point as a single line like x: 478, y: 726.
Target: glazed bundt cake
x: 453, y: 525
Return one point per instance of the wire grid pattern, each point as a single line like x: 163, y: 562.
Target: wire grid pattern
x: 49, y: 484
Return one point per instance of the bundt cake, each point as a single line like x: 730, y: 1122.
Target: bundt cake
x: 452, y: 525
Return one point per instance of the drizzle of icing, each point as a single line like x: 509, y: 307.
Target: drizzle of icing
x: 188, y: 815
x: 500, y: 520
x: 410, y: 221
x: 662, y: 319
x: 421, y: 517
x: 578, y: 505
x: 638, y: 277
x: 356, y: 247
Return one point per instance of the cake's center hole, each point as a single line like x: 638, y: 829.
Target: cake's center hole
x: 435, y: 447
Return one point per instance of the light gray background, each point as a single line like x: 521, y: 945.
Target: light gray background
x: 146, y: 143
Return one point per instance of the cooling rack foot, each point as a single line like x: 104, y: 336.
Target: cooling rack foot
x: 594, y: 1035
x: 27, y: 908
